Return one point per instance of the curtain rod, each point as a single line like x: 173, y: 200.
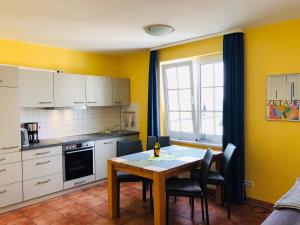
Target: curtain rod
x: 197, y: 39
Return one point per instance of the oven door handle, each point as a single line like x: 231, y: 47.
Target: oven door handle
x: 82, y: 150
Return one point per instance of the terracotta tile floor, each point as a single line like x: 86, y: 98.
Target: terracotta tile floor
x: 89, y: 206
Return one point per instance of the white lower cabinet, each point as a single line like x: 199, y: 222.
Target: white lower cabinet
x: 79, y: 181
x: 42, y: 186
x: 11, y: 194
x: 42, y: 167
x: 104, y: 150
x: 10, y: 173
x: 10, y: 157
x: 107, y: 149
x: 42, y: 153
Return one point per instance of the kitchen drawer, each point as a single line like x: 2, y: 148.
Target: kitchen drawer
x: 10, y: 173
x: 11, y: 194
x: 10, y: 157
x: 41, y: 153
x: 42, y: 186
x: 42, y: 167
x: 79, y: 181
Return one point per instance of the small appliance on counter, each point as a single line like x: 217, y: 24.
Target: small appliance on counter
x: 33, y: 131
x: 24, y: 137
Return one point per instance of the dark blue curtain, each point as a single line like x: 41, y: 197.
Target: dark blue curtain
x: 233, y: 110
x: 153, y: 110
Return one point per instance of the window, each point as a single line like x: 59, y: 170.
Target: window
x: 193, y: 92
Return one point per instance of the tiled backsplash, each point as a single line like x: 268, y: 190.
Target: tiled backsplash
x: 54, y: 123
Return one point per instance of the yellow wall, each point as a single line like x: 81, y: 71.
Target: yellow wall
x: 37, y: 56
x: 272, y: 147
x: 136, y: 67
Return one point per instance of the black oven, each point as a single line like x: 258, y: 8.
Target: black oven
x: 78, y: 160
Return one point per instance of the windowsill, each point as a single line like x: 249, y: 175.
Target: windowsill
x: 199, y: 143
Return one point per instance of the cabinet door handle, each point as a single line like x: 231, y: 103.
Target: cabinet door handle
x: 118, y: 102
x: 2, y: 159
x: 41, y: 163
x: 106, y: 143
x: 10, y: 147
x: 2, y: 170
x: 79, y: 102
x: 42, y: 153
x: 93, y: 102
x: 41, y: 103
x: 43, y: 182
x: 1, y: 81
x: 79, y: 182
x: 2, y: 192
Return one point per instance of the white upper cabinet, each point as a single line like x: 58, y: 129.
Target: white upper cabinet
x: 121, y: 91
x: 8, y: 76
x: 69, y: 90
x: 36, y: 88
x: 10, y: 139
x: 98, y: 91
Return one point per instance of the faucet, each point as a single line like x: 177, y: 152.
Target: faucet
x: 110, y: 129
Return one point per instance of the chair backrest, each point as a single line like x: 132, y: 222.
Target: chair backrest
x: 128, y: 147
x: 227, y: 159
x: 205, y: 168
x: 164, y: 141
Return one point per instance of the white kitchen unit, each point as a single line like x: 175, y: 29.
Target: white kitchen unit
x: 42, y: 172
x: 121, y: 91
x: 9, y: 114
x: 10, y: 179
x: 98, y: 91
x: 104, y: 150
x: 69, y: 90
x: 36, y: 88
x: 8, y: 76
x: 42, y: 186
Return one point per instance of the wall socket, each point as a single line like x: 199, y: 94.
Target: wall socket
x: 249, y: 183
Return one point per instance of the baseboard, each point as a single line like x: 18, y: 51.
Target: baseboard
x: 259, y: 203
x: 250, y: 201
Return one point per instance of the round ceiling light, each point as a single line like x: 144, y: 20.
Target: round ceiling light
x: 158, y: 29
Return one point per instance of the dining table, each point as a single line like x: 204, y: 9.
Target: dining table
x: 172, y: 161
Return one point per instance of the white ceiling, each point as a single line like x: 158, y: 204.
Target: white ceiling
x: 115, y: 25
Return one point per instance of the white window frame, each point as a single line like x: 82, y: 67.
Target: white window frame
x: 206, y: 137
x: 179, y: 135
x: 195, y: 68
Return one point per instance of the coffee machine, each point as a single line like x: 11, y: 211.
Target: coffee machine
x: 33, y: 131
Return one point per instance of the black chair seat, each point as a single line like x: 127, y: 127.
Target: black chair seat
x: 127, y: 177
x: 214, y: 177
x: 187, y: 186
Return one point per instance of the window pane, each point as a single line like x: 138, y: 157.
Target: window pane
x: 219, y: 124
x: 186, y: 122
x: 185, y: 100
x: 207, y: 122
x: 173, y: 100
x: 207, y: 75
x: 207, y: 97
x: 219, y: 99
x: 171, y: 78
x: 184, y: 76
x: 219, y: 74
x: 174, y: 121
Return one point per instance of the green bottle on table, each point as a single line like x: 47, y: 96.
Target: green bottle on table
x: 156, y: 147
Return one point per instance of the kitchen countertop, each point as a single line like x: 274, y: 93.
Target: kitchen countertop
x: 45, y: 143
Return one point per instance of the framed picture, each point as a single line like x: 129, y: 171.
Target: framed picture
x: 283, y: 97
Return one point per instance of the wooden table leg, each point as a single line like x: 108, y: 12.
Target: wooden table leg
x: 159, y: 187
x: 112, y: 190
